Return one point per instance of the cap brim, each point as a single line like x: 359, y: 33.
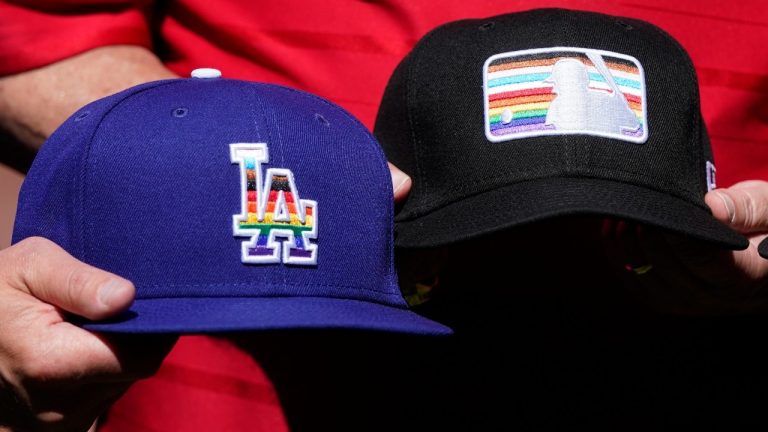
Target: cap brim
x: 541, y: 199
x: 214, y: 315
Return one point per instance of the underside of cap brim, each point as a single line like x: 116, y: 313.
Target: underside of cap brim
x: 200, y: 315
x: 541, y: 199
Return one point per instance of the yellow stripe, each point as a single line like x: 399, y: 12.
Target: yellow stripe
x: 296, y: 221
x: 521, y: 107
x: 269, y: 218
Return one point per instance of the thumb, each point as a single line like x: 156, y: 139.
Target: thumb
x: 44, y: 270
x: 743, y: 206
x: 401, y: 183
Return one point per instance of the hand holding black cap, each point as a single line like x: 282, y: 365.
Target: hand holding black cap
x: 532, y: 115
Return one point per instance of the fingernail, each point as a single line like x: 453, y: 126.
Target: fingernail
x: 109, y: 293
x: 729, y: 206
x: 399, y: 178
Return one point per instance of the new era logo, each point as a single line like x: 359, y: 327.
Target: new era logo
x: 279, y: 223
x: 555, y: 91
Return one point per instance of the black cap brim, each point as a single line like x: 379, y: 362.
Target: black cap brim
x: 541, y: 199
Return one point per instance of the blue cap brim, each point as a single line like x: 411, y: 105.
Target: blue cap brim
x: 214, y: 315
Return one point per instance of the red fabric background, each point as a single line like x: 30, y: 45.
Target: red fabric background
x: 345, y: 51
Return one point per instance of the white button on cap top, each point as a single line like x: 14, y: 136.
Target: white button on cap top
x: 206, y: 73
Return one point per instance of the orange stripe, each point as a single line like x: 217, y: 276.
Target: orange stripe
x: 521, y: 100
x: 622, y: 67
x: 527, y: 63
x: 634, y: 102
x: 549, y: 62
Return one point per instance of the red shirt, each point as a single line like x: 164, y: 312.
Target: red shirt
x: 345, y: 51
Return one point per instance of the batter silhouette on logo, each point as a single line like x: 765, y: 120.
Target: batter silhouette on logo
x: 577, y: 107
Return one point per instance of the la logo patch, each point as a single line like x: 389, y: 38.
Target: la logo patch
x: 280, y: 224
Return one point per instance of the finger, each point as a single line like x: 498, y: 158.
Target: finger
x: 743, y: 206
x: 401, y: 183
x: 722, y: 206
x: 720, y: 282
x: 43, y: 269
x: 85, y: 404
x: 140, y: 355
x: 54, y: 358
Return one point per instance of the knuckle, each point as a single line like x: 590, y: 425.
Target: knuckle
x: 34, y: 243
x: 35, y: 366
x: 80, y: 293
x: 79, y: 282
x: 750, y: 209
x: 37, y: 369
x: 33, y: 359
x: 24, y: 258
x: 31, y: 247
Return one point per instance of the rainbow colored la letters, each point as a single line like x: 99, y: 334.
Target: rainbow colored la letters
x: 522, y: 87
x: 272, y: 210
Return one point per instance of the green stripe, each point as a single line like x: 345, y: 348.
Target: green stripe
x: 268, y: 227
x: 521, y: 114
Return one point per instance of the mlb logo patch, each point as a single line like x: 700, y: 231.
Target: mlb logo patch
x: 563, y: 90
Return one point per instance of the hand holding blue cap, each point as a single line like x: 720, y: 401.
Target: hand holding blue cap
x: 231, y: 205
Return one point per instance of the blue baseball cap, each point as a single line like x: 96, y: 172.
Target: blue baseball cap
x: 230, y: 205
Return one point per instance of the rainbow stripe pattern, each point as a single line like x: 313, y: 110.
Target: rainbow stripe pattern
x: 275, y: 217
x: 273, y: 212
x: 519, y: 90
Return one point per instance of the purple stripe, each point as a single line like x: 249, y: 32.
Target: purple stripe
x: 637, y: 133
x: 525, y: 128
x: 259, y: 251
x: 518, y: 122
x: 300, y: 253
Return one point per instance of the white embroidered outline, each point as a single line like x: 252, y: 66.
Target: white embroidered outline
x: 259, y: 152
x: 711, y: 180
x: 486, y: 109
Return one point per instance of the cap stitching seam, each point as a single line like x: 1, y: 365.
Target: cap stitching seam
x: 378, y: 302
x: 382, y: 163
x: 268, y: 136
x: 413, y: 123
x: 696, y: 99
x: 87, y: 156
x: 268, y: 285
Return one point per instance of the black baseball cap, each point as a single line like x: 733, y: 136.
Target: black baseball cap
x: 550, y: 112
